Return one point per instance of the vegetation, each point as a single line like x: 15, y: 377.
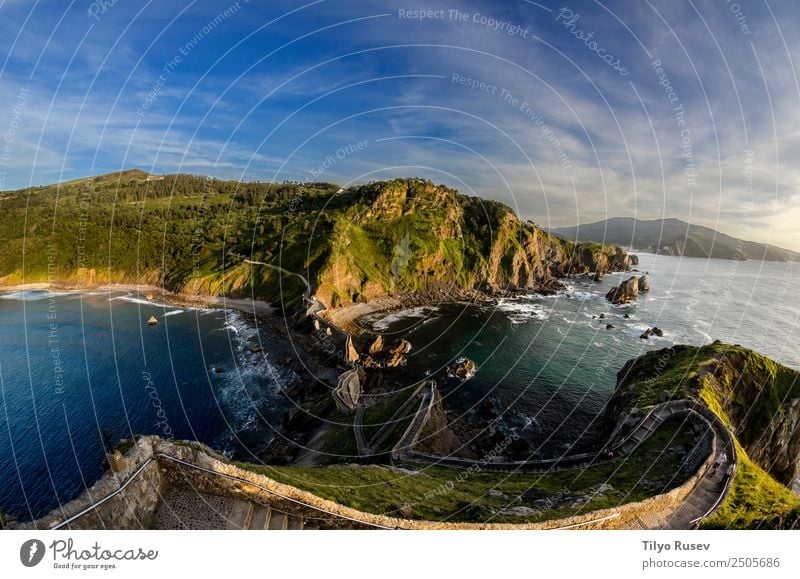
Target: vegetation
x: 756, y: 501
x: 192, y: 234
x: 748, y: 392
x: 438, y: 493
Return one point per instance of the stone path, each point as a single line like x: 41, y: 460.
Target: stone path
x: 185, y: 508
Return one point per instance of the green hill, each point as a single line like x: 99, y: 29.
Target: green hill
x: 192, y: 235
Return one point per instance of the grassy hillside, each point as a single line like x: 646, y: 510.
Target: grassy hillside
x: 192, y: 234
x: 438, y: 493
x: 757, y: 398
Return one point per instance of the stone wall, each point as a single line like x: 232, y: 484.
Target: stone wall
x: 133, y: 508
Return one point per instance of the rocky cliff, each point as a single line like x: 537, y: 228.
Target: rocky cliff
x: 757, y: 398
x: 412, y: 236
x: 194, y: 235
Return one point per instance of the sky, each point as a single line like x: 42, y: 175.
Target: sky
x: 570, y: 111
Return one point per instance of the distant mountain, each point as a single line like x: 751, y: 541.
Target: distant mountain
x: 673, y: 237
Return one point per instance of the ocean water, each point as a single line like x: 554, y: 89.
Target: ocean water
x: 548, y: 364
x: 74, y: 365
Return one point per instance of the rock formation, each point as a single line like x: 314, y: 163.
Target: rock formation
x: 625, y: 292
x: 382, y: 356
x: 758, y: 397
x: 465, y: 369
x: 644, y: 284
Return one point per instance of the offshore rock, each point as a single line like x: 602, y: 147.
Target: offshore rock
x: 625, y: 292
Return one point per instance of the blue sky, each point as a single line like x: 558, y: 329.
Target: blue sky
x: 560, y: 109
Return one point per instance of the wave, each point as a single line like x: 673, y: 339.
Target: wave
x: 381, y: 323
x: 173, y: 313
x: 33, y: 295
x: 134, y: 300
x: 249, y: 392
x: 520, y: 311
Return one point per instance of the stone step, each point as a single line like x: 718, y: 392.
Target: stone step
x: 277, y: 521
x: 258, y: 521
x: 295, y: 523
x: 239, y: 515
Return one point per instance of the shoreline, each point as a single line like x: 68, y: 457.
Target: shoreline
x: 256, y: 308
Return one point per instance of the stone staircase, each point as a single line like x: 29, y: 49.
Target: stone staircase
x: 186, y: 508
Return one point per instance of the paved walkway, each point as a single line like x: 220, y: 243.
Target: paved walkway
x: 185, y: 508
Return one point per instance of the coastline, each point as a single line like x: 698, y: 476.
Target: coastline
x: 256, y: 308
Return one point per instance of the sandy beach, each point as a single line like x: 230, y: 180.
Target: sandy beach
x: 159, y: 295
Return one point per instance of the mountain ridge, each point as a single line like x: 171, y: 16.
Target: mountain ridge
x: 672, y: 236
x: 198, y: 236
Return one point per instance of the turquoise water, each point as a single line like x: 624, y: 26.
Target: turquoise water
x: 73, y: 366
x: 548, y: 364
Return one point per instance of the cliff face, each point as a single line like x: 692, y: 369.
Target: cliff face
x: 756, y: 397
x: 761, y: 399
x: 198, y: 236
x: 409, y: 235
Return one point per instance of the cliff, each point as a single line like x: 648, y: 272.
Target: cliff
x: 194, y: 235
x: 754, y: 396
x: 411, y: 236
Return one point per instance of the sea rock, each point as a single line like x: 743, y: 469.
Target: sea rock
x: 624, y: 292
x: 387, y: 356
x: 486, y: 410
x: 654, y: 331
x: 609, y: 326
x: 644, y: 284
x: 376, y: 346
x: 598, y: 275
x: 465, y: 369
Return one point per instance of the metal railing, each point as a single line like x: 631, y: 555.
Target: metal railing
x: 154, y: 458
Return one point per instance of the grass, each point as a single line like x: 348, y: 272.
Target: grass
x: 756, y: 501
x: 747, y: 391
x: 439, y: 493
x: 376, y: 416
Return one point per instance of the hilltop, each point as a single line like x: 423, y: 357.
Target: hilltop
x: 195, y: 235
x: 673, y: 237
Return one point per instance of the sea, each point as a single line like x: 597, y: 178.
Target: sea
x: 78, y: 369
x: 73, y: 366
x: 548, y: 364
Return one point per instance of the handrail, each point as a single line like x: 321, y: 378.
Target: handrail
x: 152, y: 458
x: 104, y: 499
x: 270, y: 491
x: 583, y: 524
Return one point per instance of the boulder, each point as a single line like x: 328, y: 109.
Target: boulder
x: 376, y: 346
x: 644, y: 284
x: 609, y: 327
x: 646, y: 334
x: 624, y: 292
x: 465, y: 369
